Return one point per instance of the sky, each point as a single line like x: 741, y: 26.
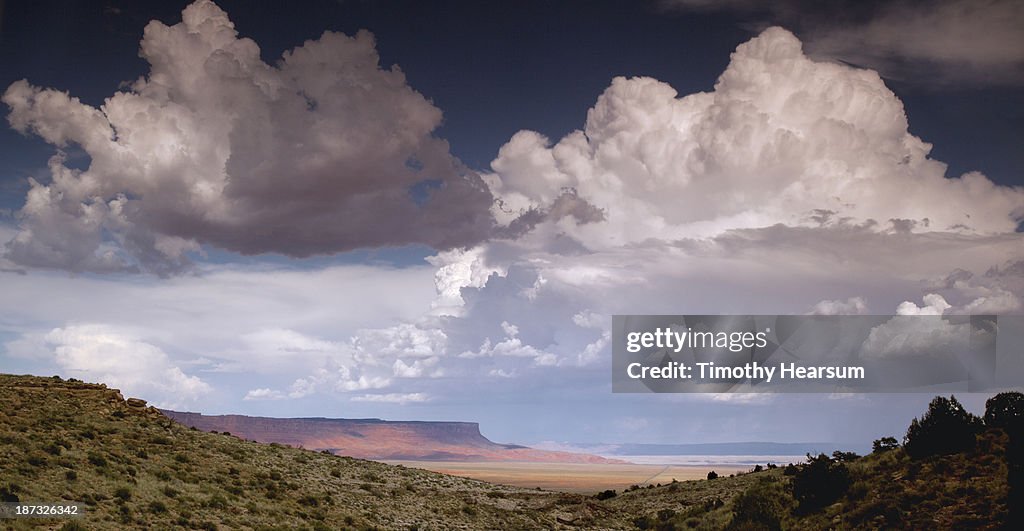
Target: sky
x: 430, y: 210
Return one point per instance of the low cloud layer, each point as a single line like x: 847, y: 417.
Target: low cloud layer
x: 322, y: 152
x: 101, y: 353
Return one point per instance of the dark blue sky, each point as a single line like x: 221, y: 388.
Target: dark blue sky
x: 493, y: 68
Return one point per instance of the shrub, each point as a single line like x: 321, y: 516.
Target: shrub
x: 844, y: 457
x: 884, y: 444
x: 71, y: 475
x: 157, y: 507
x: 606, y: 494
x: 712, y: 475
x: 820, y: 482
x: 8, y: 493
x: 123, y: 493
x: 757, y: 508
x: 217, y: 501
x: 36, y: 459
x: 97, y: 460
x: 946, y: 428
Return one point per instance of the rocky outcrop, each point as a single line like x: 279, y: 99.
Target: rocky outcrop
x: 378, y: 439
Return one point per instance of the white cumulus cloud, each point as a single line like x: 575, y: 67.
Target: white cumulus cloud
x: 318, y: 153
x: 103, y: 354
x: 782, y: 139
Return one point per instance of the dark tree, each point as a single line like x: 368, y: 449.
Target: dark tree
x: 712, y: 475
x: 946, y: 428
x: 820, y: 482
x: 1005, y: 410
x: 884, y: 445
x: 841, y: 456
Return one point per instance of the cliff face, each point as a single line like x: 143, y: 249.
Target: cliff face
x: 378, y: 439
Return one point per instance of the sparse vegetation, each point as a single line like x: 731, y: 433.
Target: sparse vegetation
x: 141, y: 470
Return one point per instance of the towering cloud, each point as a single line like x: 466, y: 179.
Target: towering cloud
x: 782, y: 139
x: 324, y: 151
x: 793, y: 186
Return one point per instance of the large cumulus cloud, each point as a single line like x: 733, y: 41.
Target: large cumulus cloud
x: 323, y: 151
x: 782, y: 139
x: 793, y: 187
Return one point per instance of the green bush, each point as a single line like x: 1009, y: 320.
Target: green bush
x: 97, y: 460
x: 217, y: 501
x: 712, y: 475
x: 606, y: 494
x: 757, y: 507
x: 123, y: 493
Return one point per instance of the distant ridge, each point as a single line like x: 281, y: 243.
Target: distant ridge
x: 751, y: 449
x: 379, y: 439
x: 729, y: 448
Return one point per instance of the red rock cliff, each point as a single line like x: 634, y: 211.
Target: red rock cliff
x: 378, y: 439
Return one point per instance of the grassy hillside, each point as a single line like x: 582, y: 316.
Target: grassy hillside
x: 887, y: 491
x: 134, y: 468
